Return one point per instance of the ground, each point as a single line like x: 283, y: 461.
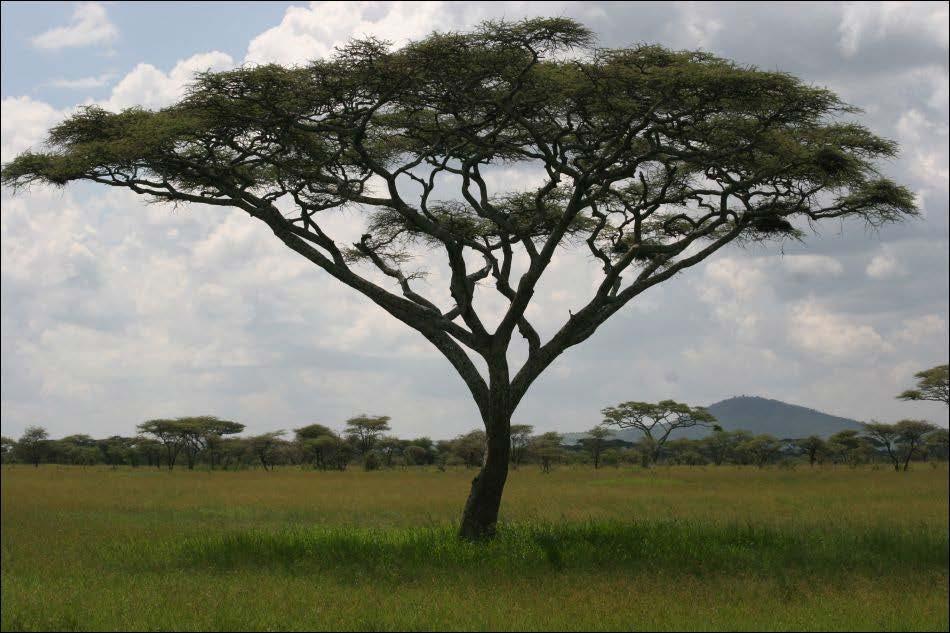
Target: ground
x: 675, y: 548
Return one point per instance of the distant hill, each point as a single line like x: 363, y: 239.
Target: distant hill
x: 758, y: 416
x: 761, y: 415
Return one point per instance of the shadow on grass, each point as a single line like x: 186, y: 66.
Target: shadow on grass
x: 690, y: 547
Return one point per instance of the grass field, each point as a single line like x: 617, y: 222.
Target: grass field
x: 669, y: 548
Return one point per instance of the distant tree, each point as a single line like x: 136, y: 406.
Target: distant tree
x: 415, y: 455
x: 169, y: 433
x: 114, y: 450
x: 234, y: 451
x: 932, y: 384
x: 813, y: 446
x: 264, y: 447
x: 938, y: 444
x: 848, y: 445
x: 685, y: 452
x: 389, y: 447
x: 33, y: 444
x: 656, y: 421
x: 910, y: 438
x: 761, y: 449
x: 594, y: 443
x: 150, y: 450
x: 719, y: 445
x: 885, y: 436
x: 546, y: 448
x: 6, y: 449
x: 323, y: 447
x: 366, y: 429
x: 520, y: 434
x: 470, y: 448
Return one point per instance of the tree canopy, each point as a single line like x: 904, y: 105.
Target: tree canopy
x: 932, y: 384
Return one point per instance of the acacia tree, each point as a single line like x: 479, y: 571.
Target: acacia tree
x: 649, y: 160
x: 33, y: 444
x: 813, y: 446
x: 520, y: 436
x: 656, y: 421
x: 594, y: 443
x: 910, y: 437
x: 932, y: 384
x: 885, y: 436
x: 364, y: 430
x: 169, y: 433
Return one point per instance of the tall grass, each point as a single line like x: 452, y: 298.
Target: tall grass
x: 665, y: 549
x: 671, y: 546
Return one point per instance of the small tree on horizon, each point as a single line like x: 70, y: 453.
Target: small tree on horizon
x: 33, y: 444
x: 656, y: 421
x: 650, y: 160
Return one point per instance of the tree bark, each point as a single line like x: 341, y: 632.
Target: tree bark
x: 480, y: 516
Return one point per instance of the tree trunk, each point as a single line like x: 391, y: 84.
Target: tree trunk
x: 480, y: 515
x: 481, y: 509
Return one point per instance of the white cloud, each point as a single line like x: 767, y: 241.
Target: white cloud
x: 149, y: 87
x: 812, y: 265
x: 308, y: 33
x: 83, y: 83
x: 831, y: 336
x: 925, y: 142
x: 732, y: 287
x: 24, y: 124
x: 863, y: 22
x: 885, y: 265
x: 90, y: 25
x: 924, y: 329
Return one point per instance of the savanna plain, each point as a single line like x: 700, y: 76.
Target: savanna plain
x: 665, y: 548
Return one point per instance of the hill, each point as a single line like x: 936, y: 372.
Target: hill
x: 757, y: 415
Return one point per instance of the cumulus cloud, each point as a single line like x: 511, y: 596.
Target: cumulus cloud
x: 731, y: 286
x: 149, y: 87
x: 885, y: 265
x: 308, y: 33
x: 812, y: 265
x: 24, y: 124
x: 862, y: 22
x: 831, y: 336
x: 925, y: 329
x: 83, y: 83
x: 90, y: 26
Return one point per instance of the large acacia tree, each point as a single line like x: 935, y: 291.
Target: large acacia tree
x: 647, y: 159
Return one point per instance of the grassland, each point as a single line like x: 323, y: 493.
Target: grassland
x: 669, y: 549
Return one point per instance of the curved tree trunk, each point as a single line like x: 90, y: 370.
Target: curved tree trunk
x: 481, y: 509
x: 480, y: 515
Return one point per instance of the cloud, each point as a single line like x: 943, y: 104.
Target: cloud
x: 812, y: 265
x: 732, y: 286
x: 24, y: 124
x: 885, y: 265
x: 830, y: 336
x: 308, y: 33
x: 90, y: 26
x: 925, y: 329
x: 83, y: 83
x: 149, y: 87
x: 864, y: 22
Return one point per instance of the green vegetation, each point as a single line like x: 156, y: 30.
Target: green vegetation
x: 614, y: 548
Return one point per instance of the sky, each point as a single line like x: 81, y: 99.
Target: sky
x: 115, y: 311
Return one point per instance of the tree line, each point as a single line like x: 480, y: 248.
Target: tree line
x: 366, y: 441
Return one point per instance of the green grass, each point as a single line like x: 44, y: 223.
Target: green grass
x: 668, y: 549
